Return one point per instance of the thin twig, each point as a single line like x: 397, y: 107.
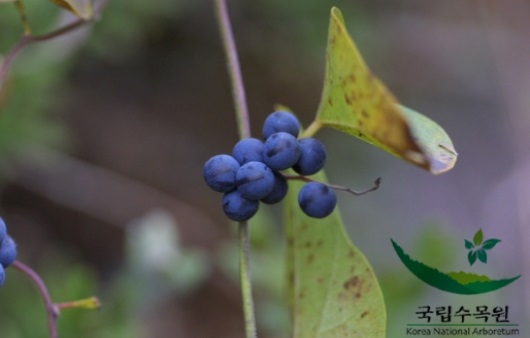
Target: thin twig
x: 27, y: 39
x: 245, y: 280
x: 238, y: 89
x: 376, y: 185
x: 51, y: 310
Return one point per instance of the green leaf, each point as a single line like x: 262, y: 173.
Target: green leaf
x: 356, y: 102
x: 81, y: 8
x: 333, y: 291
x: 477, y: 239
x: 482, y: 255
x: 469, y: 245
x: 472, y: 257
x: 490, y: 243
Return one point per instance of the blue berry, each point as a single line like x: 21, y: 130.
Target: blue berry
x: 279, y: 189
x: 316, y: 199
x: 8, y: 251
x: 2, y: 275
x: 312, y: 156
x: 248, y: 150
x: 281, y: 151
x: 219, y: 172
x: 280, y: 121
x: 238, y: 208
x: 254, y: 180
x: 3, y: 230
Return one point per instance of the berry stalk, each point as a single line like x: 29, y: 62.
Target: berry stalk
x: 240, y: 102
x: 376, y: 185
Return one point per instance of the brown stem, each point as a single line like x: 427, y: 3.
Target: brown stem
x: 51, y: 310
x: 377, y: 183
x: 27, y: 39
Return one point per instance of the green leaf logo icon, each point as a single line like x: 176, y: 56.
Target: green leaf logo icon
x: 477, y: 249
x: 477, y: 239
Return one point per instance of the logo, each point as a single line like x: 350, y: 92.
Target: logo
x: 464, y: 283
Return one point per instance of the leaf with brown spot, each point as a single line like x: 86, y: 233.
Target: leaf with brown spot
x: 358, y: 103
x: 337, y: 301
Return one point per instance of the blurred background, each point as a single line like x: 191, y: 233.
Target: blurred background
x: 103, y: 134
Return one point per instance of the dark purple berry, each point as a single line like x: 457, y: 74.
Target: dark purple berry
x: 219, y: 173
x: 238, y: 208
x: 278, y: 191
x: 254, y: 180
x: 312, y: 156
x: 3, y: 230
x: 8, y: 251
x: 281, y: 151
x: 317, y: 199
x: 248, y: 150
x: 280, y: 121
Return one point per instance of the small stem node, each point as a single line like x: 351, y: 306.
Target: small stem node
x: 312, y: 129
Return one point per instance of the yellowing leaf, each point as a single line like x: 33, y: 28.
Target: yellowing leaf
x: 434, y: 142
x: 333, y: 290
x: 358, y: 103
x: 81, y: 8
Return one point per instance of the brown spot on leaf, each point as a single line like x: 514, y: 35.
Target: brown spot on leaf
x: 350, y: 283
x: 310, y: 258
x: 364, y: 314
x: 319, y: 243
x: 308, y: 245
x: 347, y: 99
x: 364, y: 114
x: 351, y: 253
x: 290, y: 241
x: 330, y: 101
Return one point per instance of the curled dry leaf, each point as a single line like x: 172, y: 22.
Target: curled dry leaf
x: 358, y: 103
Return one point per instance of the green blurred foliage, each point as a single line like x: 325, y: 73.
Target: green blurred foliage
x: 22, y: 312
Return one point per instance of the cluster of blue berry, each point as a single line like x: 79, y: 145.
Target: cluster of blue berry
x: 253, y: 172
x: 8, y: 251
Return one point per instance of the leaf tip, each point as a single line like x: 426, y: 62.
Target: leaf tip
x: 337, y: 14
